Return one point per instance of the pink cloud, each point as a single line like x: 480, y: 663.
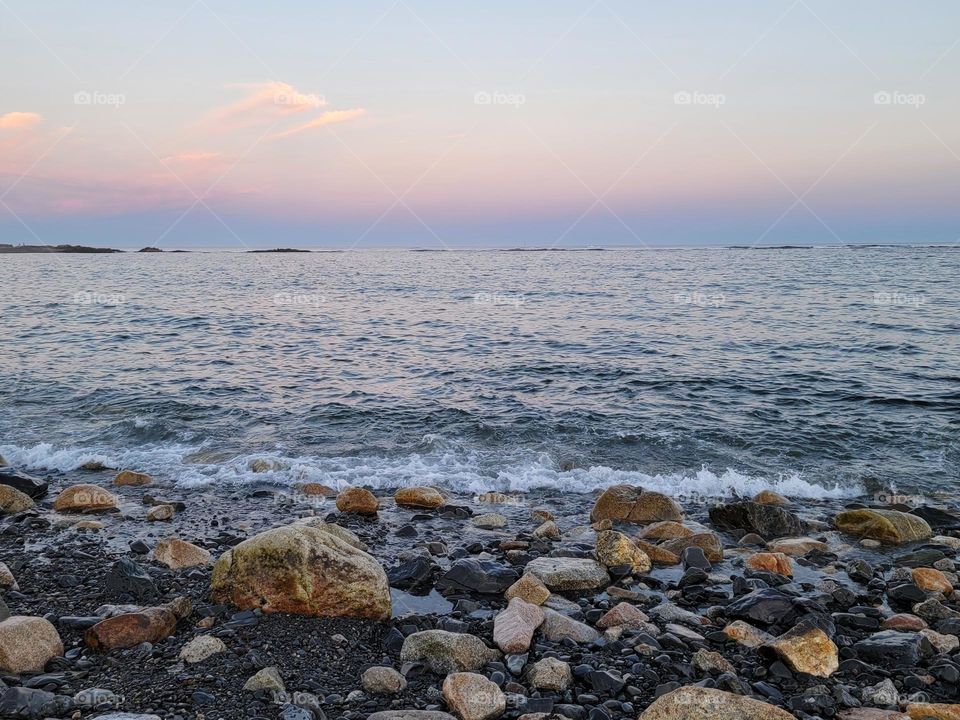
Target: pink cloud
x: 19, y: 120
x: 331, y: 117
x: 265, y: 103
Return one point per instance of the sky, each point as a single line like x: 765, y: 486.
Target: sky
x: 429, y: 123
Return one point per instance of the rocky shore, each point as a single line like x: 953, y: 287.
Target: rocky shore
x: 126, y: 597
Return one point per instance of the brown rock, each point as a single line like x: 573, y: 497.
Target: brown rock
x: 665, y: 530
x: 27, y: 644
x: 302, y: 570
x: 904, y: 622
x: 746, y: 634
x: 887, y: 526
x: 807, y: 650
x: 771, y: 562
x: 312, y: 489
x: 931, y: 580
x: 692, y: 702
x: 615, y: 548
x: 6, y: 577
x: 85, y: 498
x: 550, y: 674
x: 710, y: 663
x: 14, y: 501
x: 872, y: 714
x: 357, y: 500
x: 418, y: 497
x: 177, y: 554
x: 541, y: 515
x: 547, y: 531
x: 151, y: 625
x: 473, y: 697
x: 161, y: 513
x: 796, y: 547
x: 769, y: 497
x: 131, y: 478
x: 658, y: 555
x: 934, y: 711
x: 626, y: 503
x: 514, y: 627
x: 623, y: 615
x: 528, y: 588
x: 708, y: 542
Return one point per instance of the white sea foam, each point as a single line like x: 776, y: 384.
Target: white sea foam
x: 461, y: 470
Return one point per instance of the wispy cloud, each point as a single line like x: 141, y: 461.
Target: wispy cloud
x: 331, y: 117
x: 264, y: 103
x: 19, y: 120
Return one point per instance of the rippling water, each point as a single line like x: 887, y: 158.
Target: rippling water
x: 830, y: 371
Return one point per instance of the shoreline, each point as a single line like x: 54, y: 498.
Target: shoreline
x: 442, y: 568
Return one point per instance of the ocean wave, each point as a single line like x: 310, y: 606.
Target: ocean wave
x: 440, y: 463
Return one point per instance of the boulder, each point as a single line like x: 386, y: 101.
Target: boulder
x: 658, y: 555
x: 529, y: 588
x: 548, y: 530
x: 887, y: 526
x: 766, y: 606
x: 27, y: 484
x: 444, y: 652
x: 693, y: 702
x: 151, y: 625
x: 550, y: 674
x: 161, y: 513
x: 418, y: 497
x: 32, y: 703
x: 891, y: 649
x: 201, y: 648
x: 514, y: 627
x: 557, y: 627
x: 302, y: 570
x: 807, y: 649
x: 473, y: 697
x: 903, y: 622
x: 27, y: 644
x: 85, y: 498
x: 872, y: 714
x: 380, y: 680
x: 768, y: 521
x: 131, y: 478
x: 771, y: 562
x: 178, y: 554
x: 769, y: 497
x: 933, y: 711
x: 338, y: 531
x: 14, y: 501
x: 665, y: 530
x: 708, y: 542
x: 932, y: 580
x: 569, y: 574
x: 797, y: 547
x: 616, y: 549
x: 626, y: 503
x: 357, y: 500
x: 624, y: 615
x: 486, y: 577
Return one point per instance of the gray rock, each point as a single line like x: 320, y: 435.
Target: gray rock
x: 410, y: 715
x: 557, y: 627
x: 569, y: 574
x: 266, y: 679
x: 382, y: 681
x: 447, y: 652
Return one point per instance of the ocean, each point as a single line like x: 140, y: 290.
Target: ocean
x: 819, y: 372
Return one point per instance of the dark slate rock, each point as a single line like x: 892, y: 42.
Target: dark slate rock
x: 694, y: 557
x: 891, y: 648
x: 414, y: 574
x: 125, y: 577
x: 481, y: 576
x: 28, y: 484
x: 937, y: 518
x: 767, y: 607
x: 19, y: 702
x: 768, y: 521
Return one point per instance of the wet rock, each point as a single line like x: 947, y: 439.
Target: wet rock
x: 338, y: 531
x: 708, y: 542
x: 694, y: 557
x: 670, y: 613
x: 903, y: 622
x: 797, y: 547
x: 357, y: 500
x: 932, y: 580
x: 473, y: 697
x: 489, y: 521
x: 626, y: 503
x: 529, y: 588
x: 623, y: 615
x: 447, y: 652
x: 410, y: 715
x: 937, y: 518
x: 933, y: 711
x: 615, y: 548
x: 933, y: 611
x: 487, y: 577
x: 887, y: 526
x: 711, y: 663
x: 178, y: 554
x: 514, y: 627
x: 201, y: 648
x: 382, y: 681
x: 130, y: 629
x: 266, y: 679
x: 85, y: 498
x: 27, y: 484
x: 125, y: 577
x: 161, y: 513
x: 27, y: 644
x: 890, y: 649
x: 557, y: 627
x: 746, y: 634
x: 32, y: 704
x: 657, y: 554
x: 941, y: 643
x: 569, y: 574
x: 769, y: 521
x: 549, y: 530
x: 692, y: 702
x: 665, y: 530
x: 132, y: 479
x: 418, y: 497
x: 550, y: 674
x: 304, y: 571
x: 807, y: 649
x: 14, y: 501
x: 766, y: 606
x: 7, y: 581
x: 924, y: 557
x: 769, y: 497
x: 771, y: 562
x: 312, y: 489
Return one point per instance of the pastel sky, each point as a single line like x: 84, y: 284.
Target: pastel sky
x: 431, y: 123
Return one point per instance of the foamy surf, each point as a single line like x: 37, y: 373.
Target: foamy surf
x: 459, y: 470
